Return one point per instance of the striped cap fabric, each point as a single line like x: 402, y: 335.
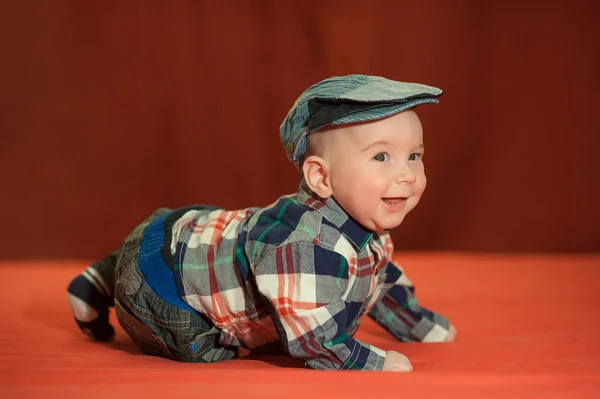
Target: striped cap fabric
x: 348, y: 99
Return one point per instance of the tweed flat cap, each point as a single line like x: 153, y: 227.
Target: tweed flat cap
x: 348, y: 99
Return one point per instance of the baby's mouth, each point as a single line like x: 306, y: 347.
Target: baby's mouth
x: 393, y: 201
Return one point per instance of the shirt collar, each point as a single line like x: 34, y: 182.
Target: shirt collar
x: 335, y: 214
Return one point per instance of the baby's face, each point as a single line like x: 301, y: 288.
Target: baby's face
x: 376, y: 169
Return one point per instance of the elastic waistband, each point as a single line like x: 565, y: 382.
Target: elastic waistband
x: 152, y: 260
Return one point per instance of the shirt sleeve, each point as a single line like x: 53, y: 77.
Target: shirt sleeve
x: 304, y: 285
x: 399, y: 311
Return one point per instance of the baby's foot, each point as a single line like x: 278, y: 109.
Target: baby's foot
x: 89, y: 299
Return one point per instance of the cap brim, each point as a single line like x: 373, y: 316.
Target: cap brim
x: 382, y: 112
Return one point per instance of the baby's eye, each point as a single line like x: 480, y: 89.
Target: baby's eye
x: 415, y: 156
x: 382, y: 157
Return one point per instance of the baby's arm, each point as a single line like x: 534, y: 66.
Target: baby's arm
x: 400, y: 313
x: 304, y: 284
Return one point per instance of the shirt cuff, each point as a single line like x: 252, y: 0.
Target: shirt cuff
x: 431, y: 328
x: 376, y: 360
x: 362, y: 357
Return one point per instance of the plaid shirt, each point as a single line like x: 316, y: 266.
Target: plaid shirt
x: 301, y: 272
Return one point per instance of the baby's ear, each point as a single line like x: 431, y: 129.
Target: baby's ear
x: 316, y: 175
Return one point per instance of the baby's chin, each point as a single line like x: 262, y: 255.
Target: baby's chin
x: 389, y: 227
x: 383, y: 225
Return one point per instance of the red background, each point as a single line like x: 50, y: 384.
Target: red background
x: 111, y: 109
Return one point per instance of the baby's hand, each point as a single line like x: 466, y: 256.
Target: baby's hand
x: 451, y: 334
x: 395, y: 361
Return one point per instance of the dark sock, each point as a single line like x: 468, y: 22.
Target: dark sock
x: 90, y: 295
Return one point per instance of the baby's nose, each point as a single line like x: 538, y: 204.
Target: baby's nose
x: 406, y: 175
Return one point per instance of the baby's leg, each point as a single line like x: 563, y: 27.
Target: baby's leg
x: 160, y: 324
x: 90, y: 295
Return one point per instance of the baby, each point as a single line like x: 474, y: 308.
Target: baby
x: 195, y: 284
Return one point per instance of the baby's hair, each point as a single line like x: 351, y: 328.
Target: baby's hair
x: 315, y: 143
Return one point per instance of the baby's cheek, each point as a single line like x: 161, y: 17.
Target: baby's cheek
x: 421, y: 184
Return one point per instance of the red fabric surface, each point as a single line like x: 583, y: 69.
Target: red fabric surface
x: 528, y: 327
